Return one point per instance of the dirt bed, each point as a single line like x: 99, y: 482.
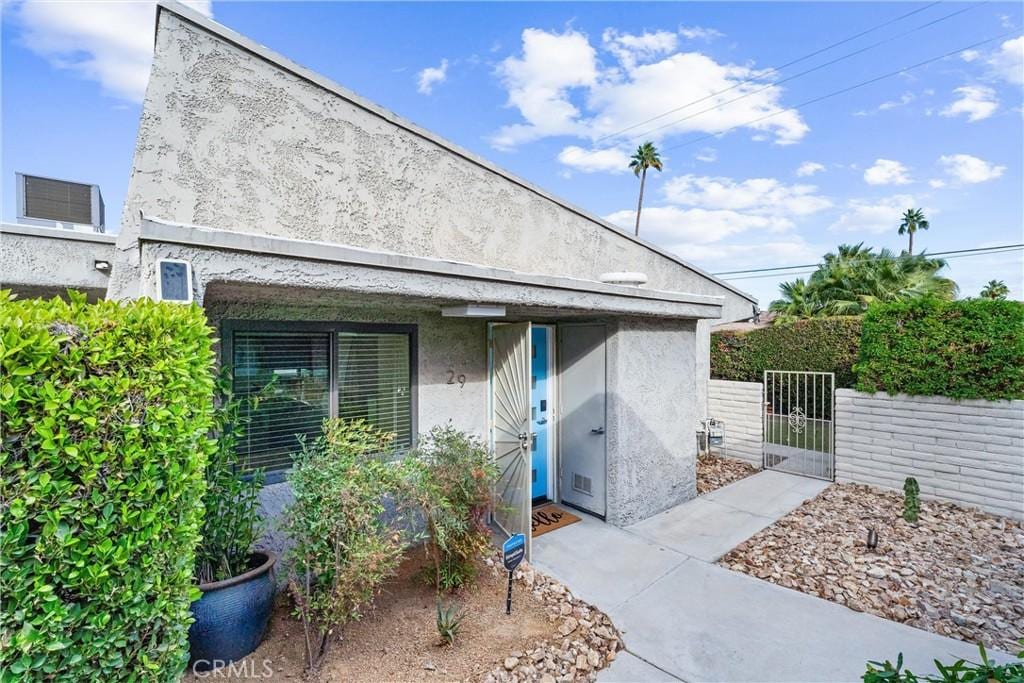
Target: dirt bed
x: 398, y: 640
x: 715, y: 471
x: 956, y: 572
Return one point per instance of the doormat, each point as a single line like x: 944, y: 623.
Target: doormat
x: 549, y: 517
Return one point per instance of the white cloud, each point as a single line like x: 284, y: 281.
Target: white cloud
x: 561, y: 87
x: 887, y: 172
x: 970, y: 55
x: 707, y: 155
x: 809, y: 168
x: 668, y: 225
x: 978, y: 102
x: 431, y: 76
x: 759, y: 196
x: 968, y: 169
x: 874, y: 216
x: 1008, y: 61
x: 699, y: 33
x: 107, y: 42
x: 595, y: 160
x: 538, y: 84
x: 630, y: 49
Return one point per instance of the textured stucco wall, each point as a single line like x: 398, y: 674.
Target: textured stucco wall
x: 739, y: 405
x: 652, y: 408
x: 968, y: 452
x: 232, y: 141
x: 47, y: 261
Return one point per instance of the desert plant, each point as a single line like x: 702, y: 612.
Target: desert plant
x: 452, y: 477
x: 449, y: 623
x: 645, y: 157
x: 995, y: 289
x: 961, y: 671
x: 231, y: 524
x: 343, y: 547
x: 106, y: 414
x: 912, y: 221
x: 911, y: 500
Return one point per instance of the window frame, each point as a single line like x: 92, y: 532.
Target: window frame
x: 227, y: 342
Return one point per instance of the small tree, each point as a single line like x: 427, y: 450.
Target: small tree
x: 344, y: 549
x: 452, y: 478
x: 911, y: 500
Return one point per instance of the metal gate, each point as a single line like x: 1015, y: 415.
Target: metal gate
x: 799, y: 410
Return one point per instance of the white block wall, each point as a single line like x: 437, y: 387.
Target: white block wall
x: 739, y: 405
x: 968, y: 452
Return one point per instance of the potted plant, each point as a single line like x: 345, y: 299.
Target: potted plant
x: 236, y: 582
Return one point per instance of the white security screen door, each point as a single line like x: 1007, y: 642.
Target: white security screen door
x: 510, y: 425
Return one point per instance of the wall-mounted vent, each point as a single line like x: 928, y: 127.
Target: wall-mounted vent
x: 581, y: 483
x: 59, y: 203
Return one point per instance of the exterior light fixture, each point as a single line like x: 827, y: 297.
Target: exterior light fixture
x: 627, y: 279
x: 102, y: 266
x: 473, y: 311
x: 872, y: 539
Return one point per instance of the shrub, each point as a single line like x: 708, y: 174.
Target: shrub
x: 961, y: 671
x: 106, y: 409
x: 343, y: 548
x: 959, y: 349
x: 231, y: 524
x: 911, y: 500
x: 453, y: 476
x: 818, y: 344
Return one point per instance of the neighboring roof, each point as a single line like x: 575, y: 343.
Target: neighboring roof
x: 762, y: 319
x: 265, y: 53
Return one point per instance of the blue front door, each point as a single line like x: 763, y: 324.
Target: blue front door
x: 539, y: 411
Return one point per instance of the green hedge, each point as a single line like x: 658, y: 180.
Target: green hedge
x: 959, y: 349
x: 818, y: 344
x: 106, y: 409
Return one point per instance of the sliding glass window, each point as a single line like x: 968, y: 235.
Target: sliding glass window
x: 315, y: 371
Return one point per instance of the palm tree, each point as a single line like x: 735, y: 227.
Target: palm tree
x: 854, y: 276
x: 995, y: 289
x: 913, y: 220
x: 646, y: 157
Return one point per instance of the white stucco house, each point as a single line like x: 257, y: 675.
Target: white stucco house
x: 433, y: 288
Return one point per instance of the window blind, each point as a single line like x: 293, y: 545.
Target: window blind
x: 299, y: 400
x: 372, y: 373
x: 374, y: 382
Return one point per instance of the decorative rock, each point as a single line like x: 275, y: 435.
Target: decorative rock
x: 511, y: 663
x: 568, y: 626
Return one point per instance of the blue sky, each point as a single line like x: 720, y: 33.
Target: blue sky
x: 545, y: 89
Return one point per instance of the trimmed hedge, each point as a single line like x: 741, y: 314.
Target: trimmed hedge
x: 960, y: 349
x: 818, y: 344
x: 106, y: 409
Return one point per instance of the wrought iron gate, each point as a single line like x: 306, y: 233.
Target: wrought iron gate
x: 799, y: 410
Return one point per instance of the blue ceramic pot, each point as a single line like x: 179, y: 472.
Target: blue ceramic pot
x: 232, y: 615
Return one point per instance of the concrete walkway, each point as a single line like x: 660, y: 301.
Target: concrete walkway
x: 684, y: 618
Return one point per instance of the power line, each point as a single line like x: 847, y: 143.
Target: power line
x: 816, y: 265
x: 841, y: 91
x: 773, y: 84
x: 957, y: 254
x: 770, y: 71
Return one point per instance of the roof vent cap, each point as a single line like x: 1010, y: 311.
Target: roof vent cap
x: 628, y: 279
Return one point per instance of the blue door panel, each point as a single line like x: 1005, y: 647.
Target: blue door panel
x: 540, y: 411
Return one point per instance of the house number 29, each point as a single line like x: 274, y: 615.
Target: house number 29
x: 456, y: 379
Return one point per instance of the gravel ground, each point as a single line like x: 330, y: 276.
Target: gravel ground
x: 956, y: 572
x: 714, y: 472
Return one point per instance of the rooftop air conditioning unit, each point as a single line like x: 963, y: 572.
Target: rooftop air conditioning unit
x: 53, y: 203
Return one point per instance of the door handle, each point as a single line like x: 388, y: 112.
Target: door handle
x: 597, y: 430
x: 542, y: 421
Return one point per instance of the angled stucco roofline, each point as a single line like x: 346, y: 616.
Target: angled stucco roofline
x: 158, y: 230
x: 282, y: 62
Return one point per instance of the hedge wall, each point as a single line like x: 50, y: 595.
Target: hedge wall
x: 959, y: 349
x: 106, y: 409
x: 818, y: 344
